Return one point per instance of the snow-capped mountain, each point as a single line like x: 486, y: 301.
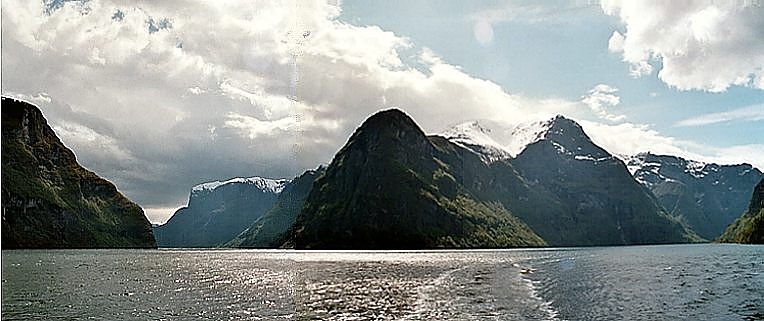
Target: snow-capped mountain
x: 492, y: 143
x: 601, y: 202
x: 708, y: 196
x: 567, y: 137
x: 476, y: 138
x: 264, y: 184
x: 217, y: 211
x: 271, y: 229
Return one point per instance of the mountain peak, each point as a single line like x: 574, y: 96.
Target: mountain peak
x: 389, y: 118
x: 470, y: 127
x: 560, y: 117
x: 50, y: 201
x: 387, y: 131
x: 561, y: 125
x: 564, y: 132
x: 477, y: 138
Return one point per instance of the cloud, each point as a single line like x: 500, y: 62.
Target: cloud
x: 217, y: 90
x: 631, y: 138
x: 751, y: 154
x: 600, y: 98
x: 159, y: 215
x: 749, y: 113
x: 698, y: 45
x: 254, y: 128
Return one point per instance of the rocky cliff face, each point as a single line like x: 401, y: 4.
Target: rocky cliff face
x: 50, y: 201
x: 749, y: 228
x: 705, y: 195
x: 218, y: 211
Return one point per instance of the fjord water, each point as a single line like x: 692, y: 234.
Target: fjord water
x: 673, y: 282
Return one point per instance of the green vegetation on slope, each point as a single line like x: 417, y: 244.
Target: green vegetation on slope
x: 50, y: 201
x: 749, y: 228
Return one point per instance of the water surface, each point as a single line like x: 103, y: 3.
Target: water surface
x: 677, y: 282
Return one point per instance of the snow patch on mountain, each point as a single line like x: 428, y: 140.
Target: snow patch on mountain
x: 266, y: 184
x: 633, y: 162
x: 696, y: 169
x: 492, y: 145
x: 508, y: 141
x: 650, y: 169
x: 526, y: 134
x: 476, y: 138
x: 590, y: 158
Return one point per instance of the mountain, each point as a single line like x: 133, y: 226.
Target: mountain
x: 218, y: 211
x: 50, y: 201
x: 271, y: 229
x: 392, y: 187
x: 749, y: 228
x: 705, y: 195
x: 601, y: 203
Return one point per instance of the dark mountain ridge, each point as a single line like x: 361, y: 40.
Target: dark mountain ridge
x: 392, y: 187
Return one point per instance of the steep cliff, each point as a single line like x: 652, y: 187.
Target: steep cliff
x: 50, y: 201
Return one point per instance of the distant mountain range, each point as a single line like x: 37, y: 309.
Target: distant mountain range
x: 476, y: 185
x: 50, y: 201
x: 707, y: 196
x: 598, y: 201
x: 273, y: 229
x: 218, y: 211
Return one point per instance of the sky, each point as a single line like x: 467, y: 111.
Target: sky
x: 158, y: 96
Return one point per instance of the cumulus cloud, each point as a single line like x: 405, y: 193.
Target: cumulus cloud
x: 748, y: 113
x: 600, y: 99
x: 698, y: 45
x: 158, y: 97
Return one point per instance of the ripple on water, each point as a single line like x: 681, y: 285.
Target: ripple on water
x: 637, y: 283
